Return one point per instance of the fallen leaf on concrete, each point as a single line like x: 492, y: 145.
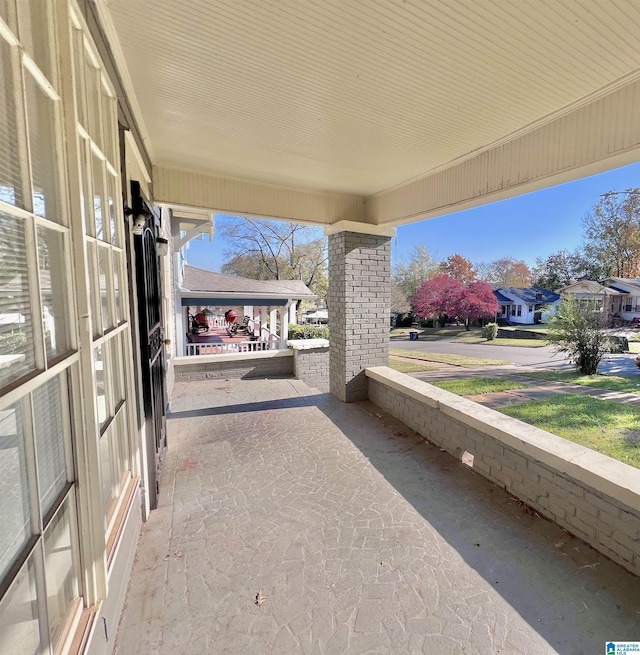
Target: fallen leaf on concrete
x: 259, y: 598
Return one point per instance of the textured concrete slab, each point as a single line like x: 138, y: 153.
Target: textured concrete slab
x: 357, y: 535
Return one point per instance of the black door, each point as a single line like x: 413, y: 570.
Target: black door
x: 151, y: 337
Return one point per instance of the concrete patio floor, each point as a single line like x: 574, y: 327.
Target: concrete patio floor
x: 360, y: 536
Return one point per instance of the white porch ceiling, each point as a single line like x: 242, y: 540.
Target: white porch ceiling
x: 358, y: 96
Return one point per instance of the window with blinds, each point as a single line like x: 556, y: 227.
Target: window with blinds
x: 50, y: 426
x: 17, y: 353
x: 38, y: 528
x: 10, y: 176
x: 15, y: 516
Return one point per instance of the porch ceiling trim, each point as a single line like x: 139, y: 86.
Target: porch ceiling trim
x: 594, y: 137
x: 229, y: 299
x: 233, y: 195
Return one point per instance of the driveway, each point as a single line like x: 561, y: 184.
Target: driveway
x: 544, y: 357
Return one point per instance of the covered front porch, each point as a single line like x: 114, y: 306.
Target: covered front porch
x: 359, y: 537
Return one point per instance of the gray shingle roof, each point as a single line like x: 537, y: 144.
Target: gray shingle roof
x: 530, y: 294
x: 199, y: 279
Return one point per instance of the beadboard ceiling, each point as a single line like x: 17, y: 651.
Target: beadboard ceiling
x: 358, y: 96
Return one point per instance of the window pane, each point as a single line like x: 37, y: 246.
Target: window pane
x: 109, y: 127
x: 117, y: 270
x: 14, y: 494
x: 16, y: 329
x: 106, y: 466
x: 117, y: 361
x: 112, y: 208
x: 92, y: 82
x: 35, y: 32
x: 101, y: 393
x: 85, y: 190
x: 10, y: 183
x: 49, y: 402
x: 19, y: 631
x: 105, y: 283
x: 98, y: 197
x: 61, y: 579
x: 96, y: 320
x: 53, y: 286
x: 42, y: 146
x: 3, y: 11
x: 78, y: 77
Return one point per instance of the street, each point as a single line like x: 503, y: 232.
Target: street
x: 545, y: 357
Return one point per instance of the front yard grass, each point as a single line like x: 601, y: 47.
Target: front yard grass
x: 474, y: 386
x: 455, y: 360
x: 428, y: 334
x: 611, y: 428
x: 403, y: 366
x: 611, y: 382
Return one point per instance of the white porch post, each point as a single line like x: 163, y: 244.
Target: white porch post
x: 248, y: 311
x: 293, y: 318
x: 284, y: 326
x: 273, y: 320
x: 263, y: 318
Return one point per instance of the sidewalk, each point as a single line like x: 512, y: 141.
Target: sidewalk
x: 536, y: 390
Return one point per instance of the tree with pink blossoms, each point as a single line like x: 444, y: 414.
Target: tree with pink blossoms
x: 443, y: 296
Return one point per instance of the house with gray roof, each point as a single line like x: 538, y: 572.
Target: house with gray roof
x: 618, y: 297
x: 525, y: 305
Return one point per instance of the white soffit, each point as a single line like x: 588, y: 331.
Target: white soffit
x: 359, y: 96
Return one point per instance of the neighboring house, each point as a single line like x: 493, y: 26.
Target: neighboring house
x: 268, y: 303
x: 618, y: 297
x: 524, y: 305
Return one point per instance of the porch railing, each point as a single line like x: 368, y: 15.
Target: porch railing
x: 229, y: 348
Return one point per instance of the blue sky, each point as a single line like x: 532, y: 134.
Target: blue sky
x: 524, y: 227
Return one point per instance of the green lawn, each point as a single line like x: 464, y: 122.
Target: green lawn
x: 610, y: 428
x: 474, y: 386
x: 611, y: 382
x: 498, y: 341
x: 455, y: 360
x: 429, y: 334
x: 409, y: 367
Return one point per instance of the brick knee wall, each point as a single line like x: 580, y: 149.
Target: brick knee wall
x: 244, y: 369
x: 312, y: 367
x: 609, y: 525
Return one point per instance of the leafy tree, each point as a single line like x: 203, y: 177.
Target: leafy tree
x: 476, y: 300
x: 444, y: 296
x: 563, y: 268
x: 399, y: 302
x: 506, y: 272
x: 612, y: 233
x: 459, y: 268
x: 578, y: 329
x: 409, y: 275
x: 274, y: 250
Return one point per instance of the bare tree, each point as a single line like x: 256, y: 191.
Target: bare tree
x: 275, y: 250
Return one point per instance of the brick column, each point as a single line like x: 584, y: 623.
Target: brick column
x: 359, y: 298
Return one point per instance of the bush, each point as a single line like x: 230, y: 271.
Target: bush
x: 490, y: 331
x: 578, y: 329
x: 308, y: 331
